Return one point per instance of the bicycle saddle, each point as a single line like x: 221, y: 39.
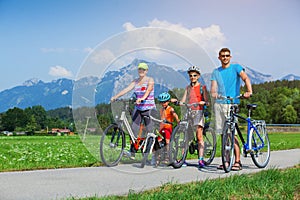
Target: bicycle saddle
x: 251, y: 106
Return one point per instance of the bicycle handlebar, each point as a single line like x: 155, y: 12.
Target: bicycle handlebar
x: 132, y: 99
x: 160, y: 120
x: 241, y: 96
x: 189, y: 105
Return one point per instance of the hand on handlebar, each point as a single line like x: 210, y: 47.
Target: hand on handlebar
x: 247, y: 95
x: 167, y: 122
x: 139, y: 100
x: 202, y: 103
x: 241, y: 96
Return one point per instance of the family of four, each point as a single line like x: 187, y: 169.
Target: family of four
x: 225, y: 81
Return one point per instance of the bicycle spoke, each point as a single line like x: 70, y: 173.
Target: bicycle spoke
x: 227, y: 148
x: 112, y: 145
x: 178, y: 147
x: 210, y: 142
x: 261, y: 147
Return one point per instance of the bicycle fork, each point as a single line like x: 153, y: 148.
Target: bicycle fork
x: 150, y: 140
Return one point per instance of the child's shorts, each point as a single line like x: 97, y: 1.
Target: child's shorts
x: 166, y: 132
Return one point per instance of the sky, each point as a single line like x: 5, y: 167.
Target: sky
x: 53, y: 39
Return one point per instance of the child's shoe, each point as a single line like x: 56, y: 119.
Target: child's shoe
x: 201, y: 163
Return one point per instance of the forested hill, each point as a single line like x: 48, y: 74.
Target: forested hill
x: 278, y: 102
x: 274, y: 84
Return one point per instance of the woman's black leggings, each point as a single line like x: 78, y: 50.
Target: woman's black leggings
x: 137, y: 118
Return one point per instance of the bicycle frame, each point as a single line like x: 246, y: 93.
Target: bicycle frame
x: 250, y: 128
x: 124, y: 121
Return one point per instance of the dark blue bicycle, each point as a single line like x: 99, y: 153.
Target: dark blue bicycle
x: 257, y: 143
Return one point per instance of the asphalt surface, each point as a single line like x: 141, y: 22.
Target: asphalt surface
x: 103, y: 181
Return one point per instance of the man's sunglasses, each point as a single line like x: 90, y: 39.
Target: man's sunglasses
x: 223, y: 56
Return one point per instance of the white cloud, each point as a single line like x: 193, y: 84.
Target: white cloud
x: 128, y: 26
x: 102, y: 56
x: 159, y: 41
x: 59, y: 71
x: 210, y: 38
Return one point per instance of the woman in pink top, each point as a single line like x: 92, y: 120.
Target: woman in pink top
x: 144, y: 91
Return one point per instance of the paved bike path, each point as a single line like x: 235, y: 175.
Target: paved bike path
x: 102, y: 181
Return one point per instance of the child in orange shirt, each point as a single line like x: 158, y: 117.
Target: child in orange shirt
x: 167, y: 113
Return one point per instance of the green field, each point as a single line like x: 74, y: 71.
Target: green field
x: 279, y: 141
x: 44, y: 152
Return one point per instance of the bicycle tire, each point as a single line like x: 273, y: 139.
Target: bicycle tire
x: 210, y: 145
x: 112, y: 145
x: 227, y: 149
x: 178, y: 146
x: 261, y: 147
x: 149, y: 146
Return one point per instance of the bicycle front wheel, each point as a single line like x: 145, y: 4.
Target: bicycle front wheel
x: 149, y: 146
x: 261, y: 147
x: 210, y: 143
x: 178, y: 146
x: 227, y: 148
x: 112, y: 145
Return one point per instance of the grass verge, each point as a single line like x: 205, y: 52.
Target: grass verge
x: 267, y: 184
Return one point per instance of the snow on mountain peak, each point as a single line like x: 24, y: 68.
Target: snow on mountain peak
x: 31, y: 82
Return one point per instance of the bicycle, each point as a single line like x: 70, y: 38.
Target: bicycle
x: 182, y: 140
x: 113, y: 140
x: 257, y: 143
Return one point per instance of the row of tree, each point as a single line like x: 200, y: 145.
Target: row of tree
x: 35, y: 118
x: 278, y: 103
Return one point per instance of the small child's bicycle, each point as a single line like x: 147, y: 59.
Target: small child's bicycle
x: 257, y: 143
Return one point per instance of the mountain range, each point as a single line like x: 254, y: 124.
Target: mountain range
x: 59, y: 93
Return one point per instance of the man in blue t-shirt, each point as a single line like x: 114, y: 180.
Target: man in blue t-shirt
x: 226, y: 81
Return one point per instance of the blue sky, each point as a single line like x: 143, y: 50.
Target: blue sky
x: 51, y: 39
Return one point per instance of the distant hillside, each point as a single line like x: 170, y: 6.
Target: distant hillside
x: 50, y: 95
x: 290, y: 77
x: 60, y: 93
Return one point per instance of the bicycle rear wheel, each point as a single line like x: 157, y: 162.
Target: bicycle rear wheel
x: 210, y: 143
x: 227, y: 148
x: 178, y: 146
x: 261, y: 146
x: 112, y: 145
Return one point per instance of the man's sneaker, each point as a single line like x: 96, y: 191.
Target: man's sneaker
x: 201, y: 163
x: 184, y: 164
